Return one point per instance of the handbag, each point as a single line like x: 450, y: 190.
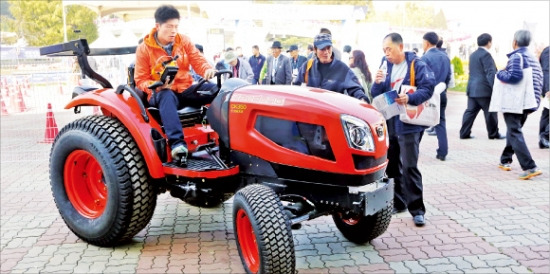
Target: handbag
x: 425, y: 114
x: 514, y: 98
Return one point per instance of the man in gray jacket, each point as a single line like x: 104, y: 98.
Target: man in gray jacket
x: 279, y: 70
x: 482, y: 70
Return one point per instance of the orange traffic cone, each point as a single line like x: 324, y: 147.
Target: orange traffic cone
x: 4, y: 109
x: 51, y: 127
x: 20, y: 103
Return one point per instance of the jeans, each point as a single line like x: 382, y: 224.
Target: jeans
x: 168, y: 102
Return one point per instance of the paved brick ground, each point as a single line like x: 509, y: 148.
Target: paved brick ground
x: 480, y: 219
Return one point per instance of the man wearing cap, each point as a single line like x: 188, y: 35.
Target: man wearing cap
x: 296, y: 60
x: 165, y: 41
x: 240, y: 68
x: 279, y: 70
x: 440, y: 64
x: 327, y: 73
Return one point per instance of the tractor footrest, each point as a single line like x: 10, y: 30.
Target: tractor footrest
x: 200, y: 168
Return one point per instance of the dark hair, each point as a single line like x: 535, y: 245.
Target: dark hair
x: 310, y: 47
x: 522, y: 38
x: 484, y: 39
x: 256, y: 47
x: 415, y: 50
x: 439, y: 44
x: 325, y: 30
x: 347, y: 48
x: 165, y: 13
x: 431, y: 37
x: 395, y: 38
x: 229, y: 49
x: 360, y: 62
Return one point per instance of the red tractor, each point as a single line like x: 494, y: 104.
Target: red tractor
x: 288, y: 154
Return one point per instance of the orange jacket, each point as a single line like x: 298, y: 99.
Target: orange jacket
x: 149, y: 54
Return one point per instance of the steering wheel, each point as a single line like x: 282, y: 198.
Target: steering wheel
x: 218, y: 75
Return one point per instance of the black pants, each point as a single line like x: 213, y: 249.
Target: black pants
x: 441, y: 128
x: 543, y: 127
x: 474, y: 106
x: 515, y: 143
x: 403, y: 167
x: 168, y: 102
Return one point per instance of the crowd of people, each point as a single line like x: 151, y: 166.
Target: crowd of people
x: 325, y: 68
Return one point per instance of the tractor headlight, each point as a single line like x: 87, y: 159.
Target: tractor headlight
x: 358, y: 133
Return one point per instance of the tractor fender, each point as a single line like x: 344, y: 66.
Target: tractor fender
x: 126, y: 109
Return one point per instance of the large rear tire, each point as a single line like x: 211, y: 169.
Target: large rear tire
x: 361, y: 229
x: 262, y: 231
x: 100, y: 182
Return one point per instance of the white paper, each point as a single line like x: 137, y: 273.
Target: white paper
x: 385, y: 104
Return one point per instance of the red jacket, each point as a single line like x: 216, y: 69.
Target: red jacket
x: 149, y: 54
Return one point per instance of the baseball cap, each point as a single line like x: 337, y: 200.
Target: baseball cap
x: 322, y: 40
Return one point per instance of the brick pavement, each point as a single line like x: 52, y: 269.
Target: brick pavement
x: 479, y: 219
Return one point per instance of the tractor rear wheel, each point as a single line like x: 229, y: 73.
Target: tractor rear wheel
x: 100, y: 182
x: 361, y: 229
x: 262, y: 231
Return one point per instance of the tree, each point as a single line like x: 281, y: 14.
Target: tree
x: 440, y: 21
x: 81, y: 18
x: 41, y: 22
x: 457, y: 65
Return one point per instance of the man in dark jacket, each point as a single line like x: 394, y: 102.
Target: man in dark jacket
x: 543, y: 129
x: 440, y: 64
x: 256, y: 61
x: 327, y: 73
x: 405, y: 138
x: 481, y: 76
x: 279, y: 71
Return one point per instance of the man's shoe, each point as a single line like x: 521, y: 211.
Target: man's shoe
x: 499, y: 137
x: 467, y: 137
x: 442, y: 158
x: 179, y: 154
x: 432, y: 133
x: 430, y: 129
x: 543, y: 143
x: 419, y: 220
x: 505, y: 166
x: 530, y: 173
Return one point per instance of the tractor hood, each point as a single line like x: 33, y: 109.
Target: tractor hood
x: 304, y: 127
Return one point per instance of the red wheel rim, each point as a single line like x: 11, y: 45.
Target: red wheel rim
x: 350, y: 220
x: 247, y: 241
x: 85, y: 184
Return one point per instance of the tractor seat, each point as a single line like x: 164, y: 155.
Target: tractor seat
x: 188, y: 115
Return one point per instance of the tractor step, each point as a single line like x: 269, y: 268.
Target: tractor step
x: 200, y: 168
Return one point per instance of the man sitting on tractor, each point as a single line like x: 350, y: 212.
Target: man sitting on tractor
x: 162, y: 45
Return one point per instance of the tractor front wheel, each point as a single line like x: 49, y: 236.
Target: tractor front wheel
x: 262, y: 231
